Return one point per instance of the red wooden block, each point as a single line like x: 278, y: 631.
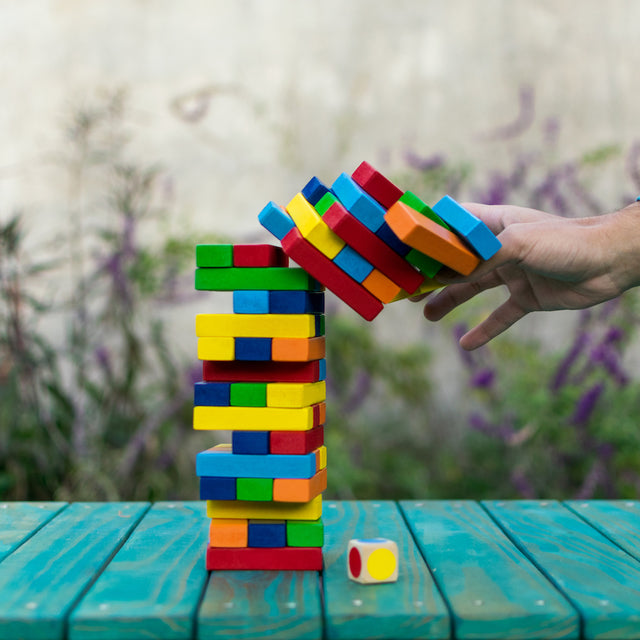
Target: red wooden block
x: 259, y: 255
x: 267, y: 371
x: 296, y: 442
x: 276, y: 559
x: 371, y: 248
x: 376, y: 185
x: 330, y: 275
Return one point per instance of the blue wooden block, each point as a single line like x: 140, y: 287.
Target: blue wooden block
x: 276, y: 220
x: 296, y: 302
x: 267, y: 534
x: 250, y: 301
x: 217, y: 488
x: 314, y: 190
x: 357, y: 202
x: 322, y: 367
x: 471, y: 228
x: 353, y: 264
x: 385, y: 233
x: 220, y: 461
x: 319, y: 321
x: 256, y: 349
x: 250, y: 442
x: 211, y: 394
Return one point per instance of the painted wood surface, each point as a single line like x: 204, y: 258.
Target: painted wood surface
x: 492, y: 589
x: 20, y: 520
x: 41, y: 581
x: 152, y: 586
x: 251, y: 605
x: 601, y: 580
x: 409, y: 608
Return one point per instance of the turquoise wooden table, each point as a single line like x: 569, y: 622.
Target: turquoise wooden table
x: 468, y: 570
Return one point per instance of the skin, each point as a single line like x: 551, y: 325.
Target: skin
x: 547, y: 263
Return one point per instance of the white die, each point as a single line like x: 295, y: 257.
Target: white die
x: 372, y: 560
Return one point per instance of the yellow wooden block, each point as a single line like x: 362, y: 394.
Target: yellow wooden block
x: 313, y: 227
x: 429, y: 284
x: 295, y: 394
x: 321, y: 457
x: 254, y: 418
x: 251, y: 325
x: 265, y: 510
x: 216, y: 349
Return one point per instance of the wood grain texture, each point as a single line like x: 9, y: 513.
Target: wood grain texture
x: 153, y: 585
x: 492, y: 589
x: 409, y: 608
x: 41, y: 581
x: 601, y: 580
x: 20, y: 520
x: 248, y: 605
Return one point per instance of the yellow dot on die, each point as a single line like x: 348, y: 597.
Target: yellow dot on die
x: 381, y: 564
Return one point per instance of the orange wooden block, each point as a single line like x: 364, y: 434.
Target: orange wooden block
x: 228, y: 532
x: 321, y: 412
x: 299, y: 489
x: 297, y: 349
x: 430, y: 238
x: 381, y: 287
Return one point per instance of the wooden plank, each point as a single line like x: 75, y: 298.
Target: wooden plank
x: 248, y: 605
x: 409, y: 608
x: 492, y: 589
x: 42, y: 579
x: 600, y: 580
x: 20, y: 520
x: 153, y: 585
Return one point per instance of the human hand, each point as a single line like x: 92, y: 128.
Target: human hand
x: 547, y: 263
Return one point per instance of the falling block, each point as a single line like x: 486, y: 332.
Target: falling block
x: 381, y: 287
x: 252, y: 442
x: 248, y: 394
x: 299, y: 489
x: 257, y: 418
x: 471, y: 228
x: 220, y: 462
x: 217, y: 488
x: 235, y: 371
x: 376, y: 185
x: 430, y: 238
x: 412, y: 200
x: 214, y: 255
x: 305, y: 533
x: 276, y: 220
x: 212, y: 394
x: 276, y: 278
x: 295, y: 394
x: 425, y: 264
x: 229, y: 532
x: 281, y: 559
x: 369, y: 246
x: 298, y: 349
x: 357, y: 202
x: 372, y: 560
x: 265, y: 510
x: 386, y: 234
x: 267, y: 533
x: 259, y: 255
x: 296, y: 442
x: 427, y: 286
x: 296, y: 302
x: 257, y: 489
x: 317, y: 264
x: 314, y: 190
x: 312, y: 227
x: 255, y: 326
x: 252, y: 301
x: 353, y: 264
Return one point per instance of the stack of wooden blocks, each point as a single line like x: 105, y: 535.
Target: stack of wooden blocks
x: 263, y: 379
x: 263, y: 365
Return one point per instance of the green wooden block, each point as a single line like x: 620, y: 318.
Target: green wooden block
x: 214, y: 255
x: 601, y: 580
x: 42, y: 579
x: 261, y: 604
x: 258, y: 278
x: 412, y: 607
x: 324, y: 204
x: 248, y: 394
x: 425, y: 264
x: 417, y: 204
x: 492, y: 588
x: 20, y: 520
x: 153, y: 585
x: 301, y: 533
x: 259, y: 489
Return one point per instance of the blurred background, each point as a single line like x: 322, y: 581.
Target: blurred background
x: 132, y: 130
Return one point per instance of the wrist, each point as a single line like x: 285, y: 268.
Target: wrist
x: 622, y: 229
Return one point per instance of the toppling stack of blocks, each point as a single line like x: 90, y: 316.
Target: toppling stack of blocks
x: 263, y: 379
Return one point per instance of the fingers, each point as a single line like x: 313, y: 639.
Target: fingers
x: 498, y: 321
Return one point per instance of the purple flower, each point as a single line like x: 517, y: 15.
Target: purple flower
x: 428, y: 163
x: 483, y: 378
x: 586, y: 404
x: 562, y: 372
